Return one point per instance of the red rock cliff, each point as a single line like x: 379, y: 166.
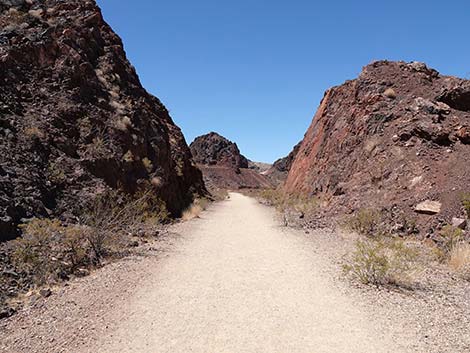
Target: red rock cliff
x: 397, y: 135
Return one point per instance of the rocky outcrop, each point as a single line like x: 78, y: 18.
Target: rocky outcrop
x: 214, y: 149
x: 390, y: 139
x: 280, y: 169
x: 223, y: 166
x: 75, y: 119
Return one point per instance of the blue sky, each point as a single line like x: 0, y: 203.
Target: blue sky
x: 255, y: 71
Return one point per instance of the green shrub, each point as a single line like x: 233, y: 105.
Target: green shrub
x: 365, y: 222
x: 381, y: 262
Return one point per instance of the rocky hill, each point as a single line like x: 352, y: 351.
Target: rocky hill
x: 223, y: 166
x: 214, y: 149
x: 397, y: 138
x: 75, y: 119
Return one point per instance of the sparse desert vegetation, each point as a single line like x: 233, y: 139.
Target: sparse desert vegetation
x: 384, y: 261
x: 290, y: 206
x: 50, y: 250
x: 365, y: 222
x: 195, y: 209
x: 459, y: 259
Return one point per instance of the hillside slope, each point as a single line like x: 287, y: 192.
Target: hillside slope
x: 394, y: 137
x: 75, y: 119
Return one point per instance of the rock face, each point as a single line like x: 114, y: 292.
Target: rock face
x: 280, y: 169
x: 223, y: 166
x: 75, y: 119
x: 392, y: 138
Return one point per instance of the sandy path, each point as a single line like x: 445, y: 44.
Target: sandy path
x: 239, y: 283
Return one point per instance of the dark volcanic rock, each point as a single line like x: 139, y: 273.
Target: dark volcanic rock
x: 213, y: 149
x: 390, y: 139
x: 223, y: 166
x: 75, y: 119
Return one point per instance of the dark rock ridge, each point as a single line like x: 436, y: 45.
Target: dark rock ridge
x: 75, y: 119
x: 394, y: 137
x: 214, y: 149
x: 223, y: 166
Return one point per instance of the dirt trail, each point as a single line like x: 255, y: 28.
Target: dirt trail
x: 240, y: 284
x: 233, y: 281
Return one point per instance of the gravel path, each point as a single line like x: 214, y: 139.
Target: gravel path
x: 240, y: 284
x: 230, y: 281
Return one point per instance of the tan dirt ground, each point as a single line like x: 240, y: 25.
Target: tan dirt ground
x: 233, y: 281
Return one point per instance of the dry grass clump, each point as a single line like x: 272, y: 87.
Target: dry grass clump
x: 98, y: 148
x: 390, y: 93
x: 459, y: 259
x: 195, y: 209
x: 382, y: 261
x: 191, y: 212
x: 449, y: 238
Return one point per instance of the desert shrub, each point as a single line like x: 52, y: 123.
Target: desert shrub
x: 382, y: 262
x: 272, y: 197
x: 459, y: 259
x: 285, y: 203
x: 111, y: 215
x: 303, y: 203
x: 466, y: 203
x: 56, y: 173
x: 97, y: 141
x: 365, y: 222
x: 48, y: 250
x: 282, y: 201
x: 450, y: 237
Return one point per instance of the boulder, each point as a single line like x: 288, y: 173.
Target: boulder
x: 428, y: 207
x: 459, y: 223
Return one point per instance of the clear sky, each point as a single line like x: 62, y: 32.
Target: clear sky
x: 255, y: 70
